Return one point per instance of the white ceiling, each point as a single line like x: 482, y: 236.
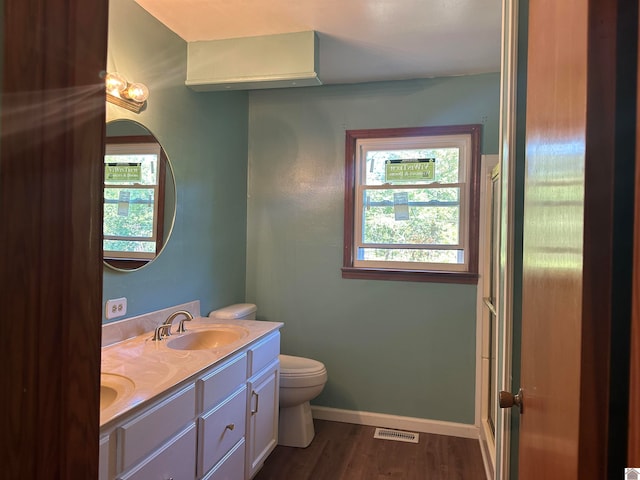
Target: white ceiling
x: 359, y: 40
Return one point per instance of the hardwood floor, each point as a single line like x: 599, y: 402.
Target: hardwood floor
x: 343, y: 451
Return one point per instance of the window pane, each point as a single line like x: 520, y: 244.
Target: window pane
x: 128, y: 212
x: 129, y: 246
x: 446, y: 164
x: 411, y: 255
x: 411, y: 216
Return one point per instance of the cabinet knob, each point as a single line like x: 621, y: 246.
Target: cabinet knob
x: 231, y: 426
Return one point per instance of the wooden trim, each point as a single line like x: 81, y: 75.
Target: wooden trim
x: 162, y: 180
x: 349, y: 195
x: 51, y: 178
x: 124, y: 264
x: 409, y: 275
x: 633, y: 443
x: 608, y: 228
x: 348, y: 270
x: 598, y: 225
x: 124, y: 139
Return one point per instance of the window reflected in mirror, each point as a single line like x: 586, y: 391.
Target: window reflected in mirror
x: 139, y: 196
x: 134, y: 181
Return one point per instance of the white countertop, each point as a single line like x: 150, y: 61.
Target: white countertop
x: 151, y: 368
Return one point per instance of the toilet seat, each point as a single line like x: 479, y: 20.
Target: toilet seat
x: 299, y: 372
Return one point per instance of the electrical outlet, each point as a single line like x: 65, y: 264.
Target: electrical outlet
x: 116, y: 307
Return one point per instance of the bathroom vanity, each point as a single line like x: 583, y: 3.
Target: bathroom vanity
x: 196, y: 405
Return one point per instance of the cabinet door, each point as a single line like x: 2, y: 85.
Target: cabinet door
x: 262, y: 417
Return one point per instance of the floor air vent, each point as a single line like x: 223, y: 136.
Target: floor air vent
x: 397, y: 435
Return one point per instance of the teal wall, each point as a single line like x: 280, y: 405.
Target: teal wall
x: 390, y: 347
x: 205, y: 137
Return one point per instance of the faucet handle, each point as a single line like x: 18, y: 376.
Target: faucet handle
x: 158, y: 333
x: 181, y: 328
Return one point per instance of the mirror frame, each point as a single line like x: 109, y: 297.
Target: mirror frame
x: 128, y: 266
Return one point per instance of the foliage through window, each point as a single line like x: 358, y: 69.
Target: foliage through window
x: 133, y: 189
x: 411, y: 203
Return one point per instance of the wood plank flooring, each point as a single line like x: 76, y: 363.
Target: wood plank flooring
x: 343, y: 451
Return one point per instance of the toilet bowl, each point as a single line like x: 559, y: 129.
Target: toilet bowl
x: 301, y: 380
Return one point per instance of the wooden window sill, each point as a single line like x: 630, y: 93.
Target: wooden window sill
x: 409, y: 275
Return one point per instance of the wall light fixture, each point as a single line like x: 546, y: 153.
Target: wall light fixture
x: 132, y: 96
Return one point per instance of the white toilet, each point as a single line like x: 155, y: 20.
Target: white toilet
x: 301, y: 380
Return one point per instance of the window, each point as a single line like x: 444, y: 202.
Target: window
x: 411, y: 204
x: 133, y: 212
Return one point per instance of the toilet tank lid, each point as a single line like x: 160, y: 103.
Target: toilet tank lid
x: 238, y: 310
x: 291, y: 365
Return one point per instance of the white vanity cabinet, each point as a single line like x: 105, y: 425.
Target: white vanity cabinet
x: 221, y: 425
x: 160, y: 442
x: 262, y: 417
x: 222, y: 422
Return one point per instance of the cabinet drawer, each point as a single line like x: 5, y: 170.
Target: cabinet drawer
x: 220, y: 429
x: 221, y: 382
x: 231, y: 467
x: 264, y: 353
x: 138, y: 437
x: 176, y: 460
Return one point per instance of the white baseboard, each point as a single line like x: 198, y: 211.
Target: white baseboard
x: 396, y: 422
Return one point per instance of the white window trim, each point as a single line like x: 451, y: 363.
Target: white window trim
x: 365, y: 145
x: 135, y: 149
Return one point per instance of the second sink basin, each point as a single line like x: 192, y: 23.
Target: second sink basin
x: 114, y: 387
x: 210, y: 338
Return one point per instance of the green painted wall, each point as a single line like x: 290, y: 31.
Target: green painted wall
x: 205, y: 137
x: 390, y: 347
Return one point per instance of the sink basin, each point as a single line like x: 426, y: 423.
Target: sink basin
x: 114, y: 387
x: 208, y: 339
x: 108, y: 395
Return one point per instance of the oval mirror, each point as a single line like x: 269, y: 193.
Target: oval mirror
x: 139, y: 196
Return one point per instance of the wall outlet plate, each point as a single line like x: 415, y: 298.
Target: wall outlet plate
x: 116, y: 307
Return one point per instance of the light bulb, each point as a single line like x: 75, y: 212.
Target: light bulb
x: 138, y: 92
x: 115, y: 83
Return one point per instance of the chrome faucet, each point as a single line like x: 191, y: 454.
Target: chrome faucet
x: 164, y: 330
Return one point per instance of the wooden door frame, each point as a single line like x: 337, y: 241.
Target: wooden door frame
x: 633, y: 446
x: 53, y: 112
x: 608, y: 234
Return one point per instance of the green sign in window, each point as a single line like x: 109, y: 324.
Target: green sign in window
x: 123, y: 172
x: 422, y: 169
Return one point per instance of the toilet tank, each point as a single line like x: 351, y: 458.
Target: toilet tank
x: 238, y: 311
